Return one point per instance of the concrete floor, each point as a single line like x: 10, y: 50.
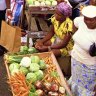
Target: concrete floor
x: 4, y: 87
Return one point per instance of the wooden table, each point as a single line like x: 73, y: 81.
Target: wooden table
x: 32, y: 20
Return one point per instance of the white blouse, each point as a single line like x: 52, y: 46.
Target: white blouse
x: 83, y: 38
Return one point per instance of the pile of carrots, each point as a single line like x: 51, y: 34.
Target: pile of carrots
x: 18, y: 85
x: 48, y: 60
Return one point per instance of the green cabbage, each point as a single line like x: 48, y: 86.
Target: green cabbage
x: 31, y: 77
x: 23, y: 70
x: 14, y: 71
x: 13, y: 66
x: 39, y: 74
x: 42, y: 64
x: 35, y: 59
x: 34, y: 67
x: 23, y: 48
x: 32, y: 50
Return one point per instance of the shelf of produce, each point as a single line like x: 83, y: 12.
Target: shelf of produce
x: 44, y: 56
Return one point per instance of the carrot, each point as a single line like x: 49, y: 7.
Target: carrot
x: 18, y: 84
x: 25, y: 94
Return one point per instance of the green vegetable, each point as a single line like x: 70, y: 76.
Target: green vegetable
x: 34, y: 67
x: 13, y: 66
x: 29, y: 1
x: 22, y: 53
x: 42, y: 64
x: 26, y: 61
x: 14, y: 71
x: 35, y: 59
x: 23, y: 70
x: 33, y: 89
x: 48, y: 3
x: 23, y: 49
x: 33, y: 94
x: 54, y: 74
x: 39, y: 74
x: 32, y: 50
x: 31, y: 77
x: 16, y: 59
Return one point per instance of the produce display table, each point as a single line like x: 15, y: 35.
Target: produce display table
x: 30, y: 11
x: 34, y: 21
x: 49, y: 56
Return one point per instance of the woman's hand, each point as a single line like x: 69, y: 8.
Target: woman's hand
x: 38, y: 44
x: 43, y: 48
x: 9, y: 13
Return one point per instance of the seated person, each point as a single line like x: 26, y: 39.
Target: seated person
x: 59, y: 38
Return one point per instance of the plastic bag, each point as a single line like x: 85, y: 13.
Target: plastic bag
x: 92, y: 50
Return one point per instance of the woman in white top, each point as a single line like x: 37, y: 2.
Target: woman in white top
x: 3, y: 5
x: 83, y: 79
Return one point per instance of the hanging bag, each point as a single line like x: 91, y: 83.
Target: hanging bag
x: 10, y: 37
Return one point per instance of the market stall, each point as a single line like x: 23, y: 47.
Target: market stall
x: 35, y: 13
x: 35, y: 75
x: 31, y: 73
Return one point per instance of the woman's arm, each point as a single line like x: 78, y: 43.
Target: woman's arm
x: 49, y: 35
x: 64, y: 42
x: 45, y: 39
x: 74, y: 28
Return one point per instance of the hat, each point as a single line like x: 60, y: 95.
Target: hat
x: 89, y: 11
x: 64, y: 8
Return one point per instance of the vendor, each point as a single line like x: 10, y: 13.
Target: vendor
x: 83, y: 59
x: 59, y: 38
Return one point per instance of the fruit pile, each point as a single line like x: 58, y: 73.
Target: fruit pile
x: 41, y: 2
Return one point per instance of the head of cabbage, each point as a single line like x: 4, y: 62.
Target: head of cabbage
x: 31, y: 77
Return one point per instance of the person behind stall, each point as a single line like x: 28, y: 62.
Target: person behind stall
x: 59, y: 38
x: 83, y: 55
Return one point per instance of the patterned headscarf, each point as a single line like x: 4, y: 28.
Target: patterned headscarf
x: 65, y: 9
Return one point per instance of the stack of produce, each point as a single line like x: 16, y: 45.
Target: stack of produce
x: 34, y: 76
x: 25, y: 50
x: 41, y: 2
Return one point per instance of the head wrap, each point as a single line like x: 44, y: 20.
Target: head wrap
x: 89, y: 11
x: 64, y: 8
